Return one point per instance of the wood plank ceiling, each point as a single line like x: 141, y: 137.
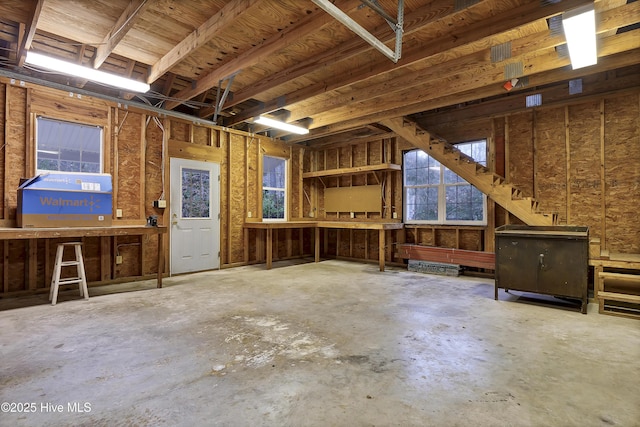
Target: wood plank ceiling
x: 292, y: 60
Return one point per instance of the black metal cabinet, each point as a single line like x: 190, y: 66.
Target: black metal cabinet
x: 551, y: 260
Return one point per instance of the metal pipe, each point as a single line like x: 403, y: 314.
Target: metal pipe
x: 160, y: 111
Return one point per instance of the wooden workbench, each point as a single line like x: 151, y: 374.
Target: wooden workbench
x: 382, y: 227
x: 78, y: 232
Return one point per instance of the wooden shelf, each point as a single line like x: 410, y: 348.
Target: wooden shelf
x: 354, y: 170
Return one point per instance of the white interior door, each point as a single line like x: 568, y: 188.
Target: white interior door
x: 195, y: 216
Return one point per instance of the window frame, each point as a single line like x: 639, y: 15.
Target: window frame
x: 285, y: 162
x: 101, y: 133
x: 441, y: 186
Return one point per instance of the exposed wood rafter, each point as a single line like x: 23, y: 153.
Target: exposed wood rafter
x: 125, y: 22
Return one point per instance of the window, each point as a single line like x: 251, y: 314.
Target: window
x: 274, y: 194
x: 68, y: 147
x: 435, y: 194
x: 196, y: 193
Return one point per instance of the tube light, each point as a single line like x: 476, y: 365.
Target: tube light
x: 580, y: 31
x: 281, y: 125
x: 87, y: 73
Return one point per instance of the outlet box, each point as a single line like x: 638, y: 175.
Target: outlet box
x: 395, y: 215
x: 160, y: 204
x: 353, y: 215
x: 118, y: 213
x: 118, y: 259
x: 249, y: 214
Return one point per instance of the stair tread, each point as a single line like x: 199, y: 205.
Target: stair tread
x: 487, y: 181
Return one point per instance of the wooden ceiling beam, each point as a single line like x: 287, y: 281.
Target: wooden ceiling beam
x: 307, y: 25
x: 413, y: 22
x: 18, y: 11
x: 496, y: 24
x: 593, y: 85
x: 523, y: 50
x: 620, y: 60
x: 472, y: 78
x: 124, y: 23
x: 29, y: 30
x: 198, y: 38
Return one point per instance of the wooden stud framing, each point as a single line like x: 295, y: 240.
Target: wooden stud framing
x: 507, y: 172
x: 229, y: 191
x: 5, y: 266
x: 567, y: 143
x: 32, y: 263
x: 30, y: 154
x: 534, y: 148
x: 143, y: 162
x: 114, y: 124
x: 603, y: 197
x: 105, y: 259
x: 6, y: 145
x: 300, y: 186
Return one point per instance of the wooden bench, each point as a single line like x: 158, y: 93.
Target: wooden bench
x: 617, y: 291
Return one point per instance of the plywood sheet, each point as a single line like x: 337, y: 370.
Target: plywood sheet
x: 59, y: 105
x: 520, y: 140
x: 584, y: 170
x: 359, y: 242
x: 236, y: 196
x: 201, y: 135
x: 470, y: 240
x: 129, y: 159
x: 223, y: 138
x: 16, y: 134
x: 180, y: 131
x: 3, y: 172
x: 353, y: 199
x: 551, y: 162
x: 446, y: 238
x: 622, y: 173
x: 253, y: 192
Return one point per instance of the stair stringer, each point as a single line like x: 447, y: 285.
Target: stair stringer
x: 491, y: 184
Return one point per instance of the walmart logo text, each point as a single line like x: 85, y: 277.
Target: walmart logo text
x: 86, y: 202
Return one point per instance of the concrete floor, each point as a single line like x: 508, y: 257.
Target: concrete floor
x: 328, y: 344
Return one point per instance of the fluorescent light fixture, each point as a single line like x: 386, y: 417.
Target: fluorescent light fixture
x: 580, y: 31
x: 76, y: 70
x: 281, y: 125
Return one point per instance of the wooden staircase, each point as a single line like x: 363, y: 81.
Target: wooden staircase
x: 491, y: 184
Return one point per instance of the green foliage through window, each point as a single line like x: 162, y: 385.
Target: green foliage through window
x: 274, y: 188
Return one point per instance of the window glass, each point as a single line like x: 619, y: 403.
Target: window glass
x: 274, y: 176
x: 196, y: 193
x: 435, y: 194
x: 68, y: 147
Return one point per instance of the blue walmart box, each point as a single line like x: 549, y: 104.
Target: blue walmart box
x: 65, y: 200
